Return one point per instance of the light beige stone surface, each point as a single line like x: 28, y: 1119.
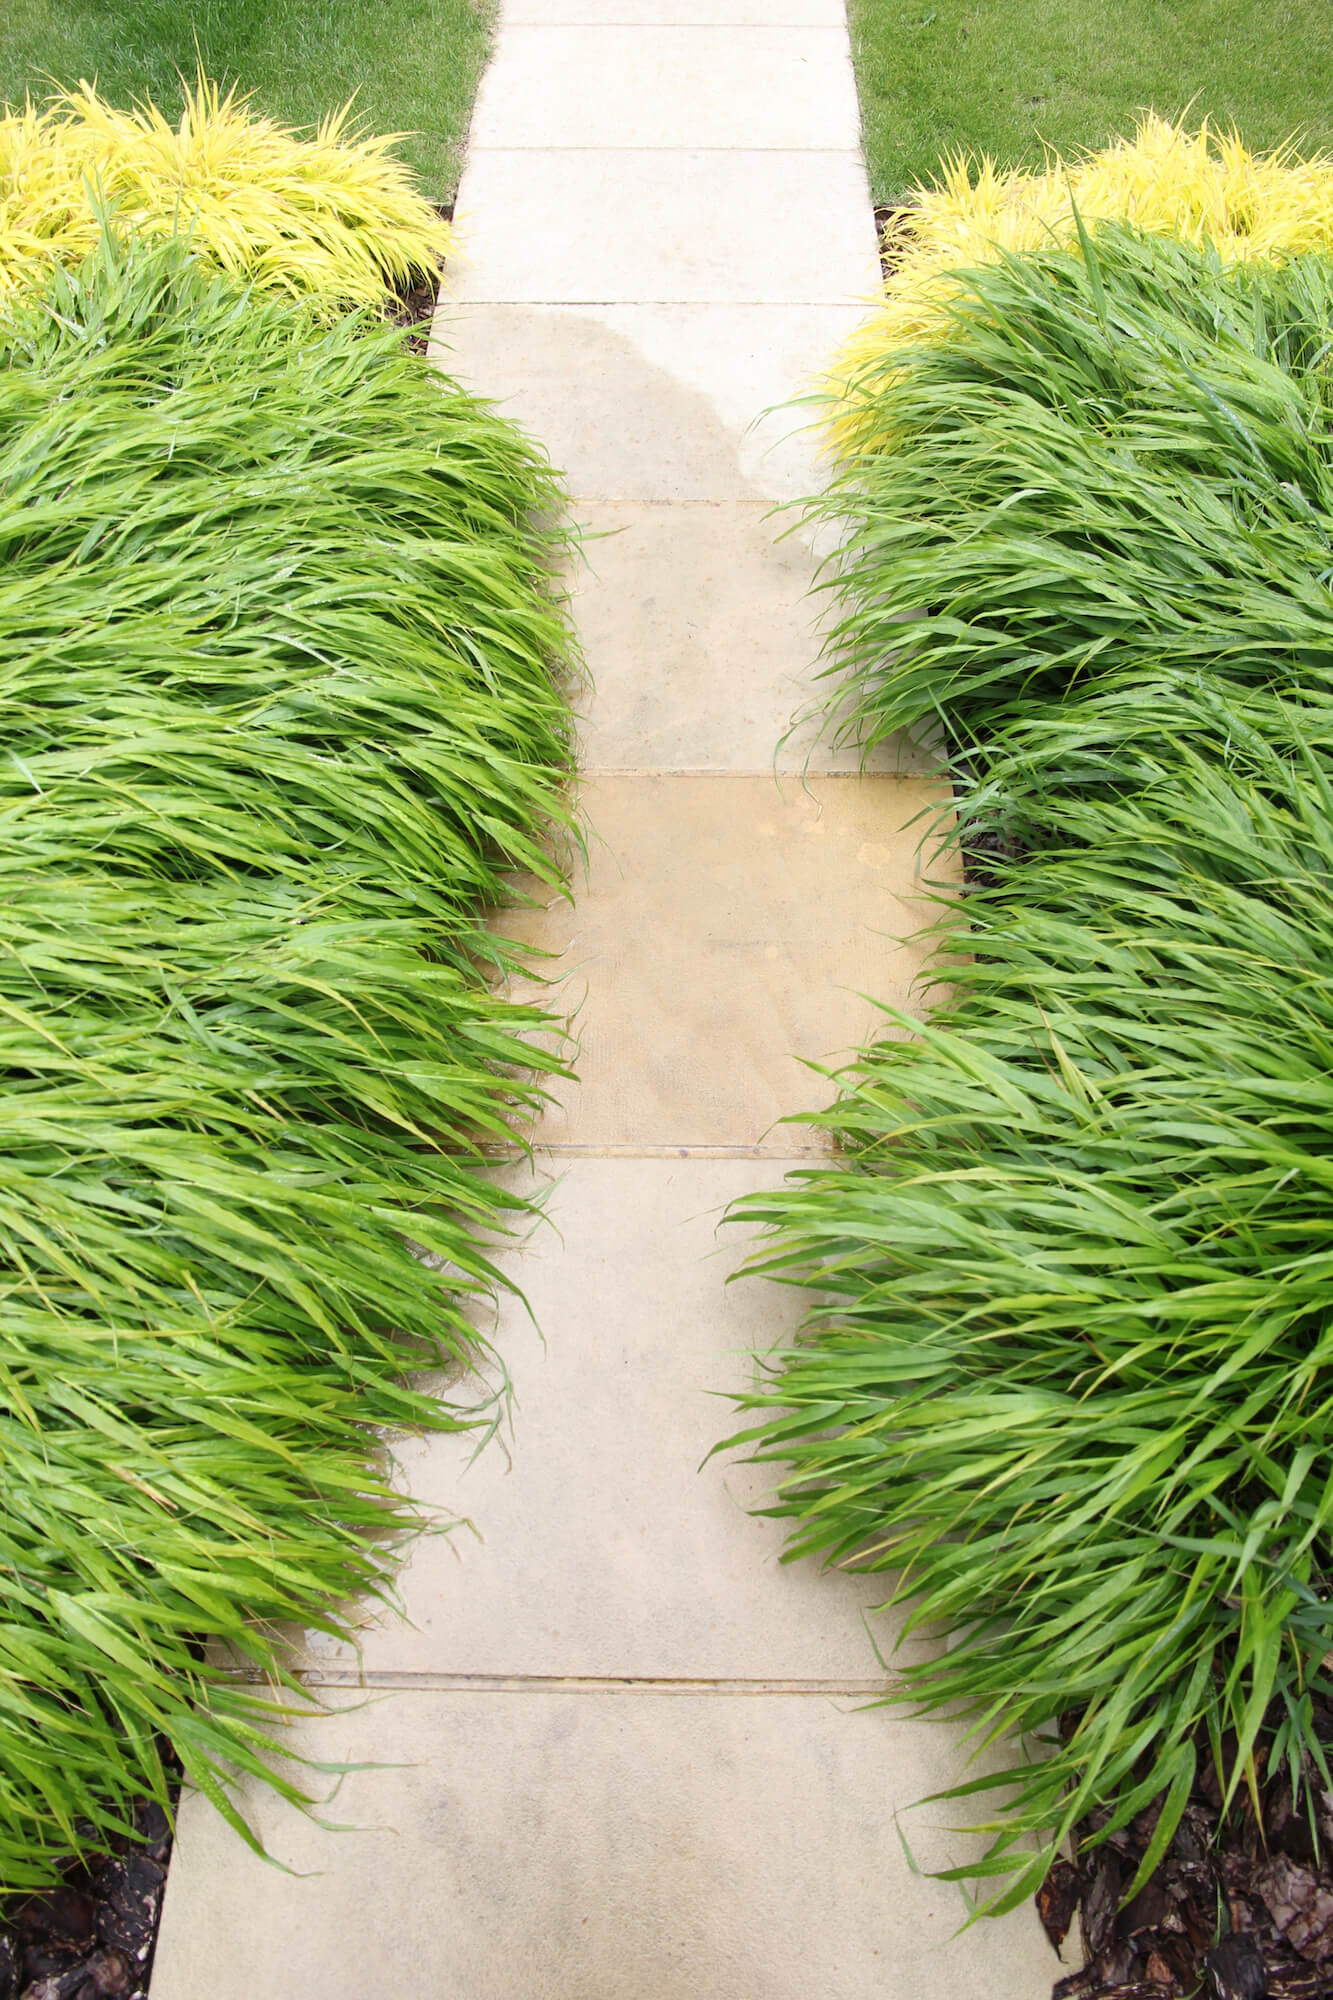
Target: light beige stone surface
x: 604, y: 1544
x: 556, y: 1846
x: 667, y: 86
x: 680, y: 13
x: 682, y: 227
x: 700, y: 628
x: 655, y: 402
x: 726, y: 934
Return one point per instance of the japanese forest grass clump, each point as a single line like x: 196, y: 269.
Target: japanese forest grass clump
x: 1203, y: 187
x: 281, y: 705
x: 1066, y: 1373
x: 1114, y: 461
x: 334, y: 216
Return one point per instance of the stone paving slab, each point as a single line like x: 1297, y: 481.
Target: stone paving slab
x: 687, y: 226
x: 727, y: 932
x: 638, y: 86
x: 701, y: 636
x: 656, y: 402
x: 596, y: 1846
x: 680, y: 13
x: 604, y: 1544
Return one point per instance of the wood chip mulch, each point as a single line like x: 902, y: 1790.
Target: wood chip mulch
x: 414, y: 310
x: 889, y: 220
x: 414, y: 305
x: 1241, y: 1908
x: 93, y: 1937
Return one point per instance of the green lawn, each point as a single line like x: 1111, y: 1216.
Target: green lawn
x: 413, y: 64
x: 1002, y: 76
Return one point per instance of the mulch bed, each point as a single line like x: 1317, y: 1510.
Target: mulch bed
x: 414, y: 306
x: 413, y: 310
x: 886, y: 219
x: 93, y: 1937
x: 982, y: 848
x: 1240, y: 1909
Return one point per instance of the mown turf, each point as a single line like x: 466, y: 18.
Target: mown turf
x: 1007, y: 77
x: 280, y: 705
x: 412, y: 65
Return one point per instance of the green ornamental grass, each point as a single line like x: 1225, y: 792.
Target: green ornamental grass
x: 1066, y: 1374
x: 282, y: 706
x: 1111, y: 462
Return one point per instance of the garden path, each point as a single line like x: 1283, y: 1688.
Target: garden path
x: 623, y: 1758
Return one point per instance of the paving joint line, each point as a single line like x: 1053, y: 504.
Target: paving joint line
x: 841, y: 303
x: 712, y: 27
x: 728, y: 27
x: 801, y: 152
x: 714, y: 771
x: 408, y: 1681
x: 657, y: 1153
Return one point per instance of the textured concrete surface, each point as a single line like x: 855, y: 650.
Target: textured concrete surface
x: 671, y: 227
x: 727, y: 933
x: 597, y: 1846
x: 606, y: 1545
x: 701, y: 636
x: 614, y: 1748
x: 614, y: 86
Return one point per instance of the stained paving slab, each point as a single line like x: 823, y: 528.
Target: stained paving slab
x: 727, y: 933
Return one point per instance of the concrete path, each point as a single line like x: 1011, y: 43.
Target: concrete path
x: 620, y: 1751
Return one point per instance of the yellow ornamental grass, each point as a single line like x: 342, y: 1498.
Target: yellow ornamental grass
x: 1203, y: 186
x: 334, y: 217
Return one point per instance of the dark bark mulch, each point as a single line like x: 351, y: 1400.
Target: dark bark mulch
x: 92, y: 1938
x: 413, y: 310
x: 414, y: 305
x: 887, y: 220
x: 1241, y: 1908
x: 982, y: 848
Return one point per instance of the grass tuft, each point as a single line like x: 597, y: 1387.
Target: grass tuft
x: 1203, y: 187
x: 1066, y: 1376
x: 280, y: 707
x: 336, y: 217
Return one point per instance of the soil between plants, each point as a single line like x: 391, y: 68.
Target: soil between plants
x: 1241, y: 1908
x: 413, y: 307
x: 93, y: 1937
x: 887, y: 219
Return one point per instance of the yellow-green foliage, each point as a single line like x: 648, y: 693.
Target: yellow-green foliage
x: 335, y: 216
x: 1204, y: 186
